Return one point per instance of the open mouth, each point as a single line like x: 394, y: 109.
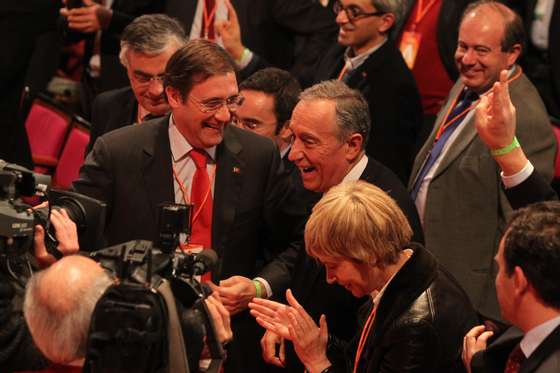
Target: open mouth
x: 307, y: 170
x: 214, y: 126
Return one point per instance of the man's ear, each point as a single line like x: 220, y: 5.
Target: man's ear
x: 174, y: 97
x: 388, y: 22
x: 513, y: 54
x: 520, y: 282
x: 354, y: 146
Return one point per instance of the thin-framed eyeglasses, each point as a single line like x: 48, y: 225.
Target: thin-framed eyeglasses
x: 214, y: 104
x: 147, y: 79
x: 354, y: 12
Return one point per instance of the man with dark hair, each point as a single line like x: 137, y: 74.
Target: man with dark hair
x: 270, y: 96
x: 231, y: 176
x: 366, y: 60
x: 146, y: 46
x: 455, y: 181
x: 529, y: 294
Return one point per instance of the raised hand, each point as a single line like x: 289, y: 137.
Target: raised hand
x: 230, y: 32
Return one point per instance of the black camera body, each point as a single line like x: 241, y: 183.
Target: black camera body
x: 134, y: 326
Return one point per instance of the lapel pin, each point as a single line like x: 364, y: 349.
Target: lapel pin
x: 236, y: 170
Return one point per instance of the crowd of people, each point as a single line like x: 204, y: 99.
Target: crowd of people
x: 374, y: 176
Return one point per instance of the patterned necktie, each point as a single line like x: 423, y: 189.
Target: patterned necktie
x: 209, y: 5
x: 515, y: 359
x: 201, y: 198
x: 468, y: 98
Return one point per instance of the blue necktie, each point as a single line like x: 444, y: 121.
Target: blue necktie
x: 468, y: 98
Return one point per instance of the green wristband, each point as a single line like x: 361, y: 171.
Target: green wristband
x: 258, y: 288
x: 506, y: 149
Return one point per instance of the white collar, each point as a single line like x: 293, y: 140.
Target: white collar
x: 356, y: 171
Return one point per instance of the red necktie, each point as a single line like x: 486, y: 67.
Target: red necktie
x: 201, y: 198
x: 515, y: 359
x: 208, y: 15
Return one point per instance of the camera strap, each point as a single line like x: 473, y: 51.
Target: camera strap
x: 177, y: 350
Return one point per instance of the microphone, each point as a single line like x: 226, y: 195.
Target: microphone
x: 204, y: 261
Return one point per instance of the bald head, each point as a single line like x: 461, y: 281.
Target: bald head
x: 59, y: 302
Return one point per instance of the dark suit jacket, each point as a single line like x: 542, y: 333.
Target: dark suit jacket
x: 130, y: 169
x: 534, y: 189
x: 17, y: 350
x: 466, y: 209
x: 419, y: 324
x: 394, y: 103
x: 111, y: 110
x: 340, y: 306
x: 545, y: 359
x: 270, y: 29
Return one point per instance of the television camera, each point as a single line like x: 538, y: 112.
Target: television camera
x: 18, y: 219
x: 155, y: 318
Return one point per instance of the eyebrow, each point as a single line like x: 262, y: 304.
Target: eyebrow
x: 143, y: 73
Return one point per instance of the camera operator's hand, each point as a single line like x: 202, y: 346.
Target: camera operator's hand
x: 236, y: 292
x: 66, y: 233
x: 221, y: 319
x: 269, y: 341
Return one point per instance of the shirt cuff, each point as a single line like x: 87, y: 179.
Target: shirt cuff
x: 245, y: 59
x: 516, y: 179
x: 266, y: 286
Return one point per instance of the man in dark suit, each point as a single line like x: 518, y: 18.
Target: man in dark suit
x: 288, y: 34
x: 455, y: 181
x: 237, y: 191
x: 331, y: 125
x: 529, y: 296
x: 146, y: 46
x: 367, y: 61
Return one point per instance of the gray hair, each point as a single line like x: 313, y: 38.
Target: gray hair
x: 66, y: 327
x: 352, y: 111
x: 151, y: 34
x: 390, y: 6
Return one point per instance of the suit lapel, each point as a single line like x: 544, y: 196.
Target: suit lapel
x: 545, y: 349
x: 227, y: 188
x: 427, y: 147
x: 156, y: 168
x: 464, y: 138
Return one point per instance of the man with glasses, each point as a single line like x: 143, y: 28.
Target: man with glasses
x: 146, y: 46
x: 231, y: 176
x: 367, y: 61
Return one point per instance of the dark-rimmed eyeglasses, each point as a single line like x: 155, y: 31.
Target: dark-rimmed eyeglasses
x: 354, y: 12
x: 214, y: 104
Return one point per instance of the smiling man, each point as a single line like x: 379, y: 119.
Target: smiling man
x: 270, y: 97
x: 231, y: 176
x: 146, y: 46
x: 455, y: 181
x: 330, y: 125
x: 366, y: 60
